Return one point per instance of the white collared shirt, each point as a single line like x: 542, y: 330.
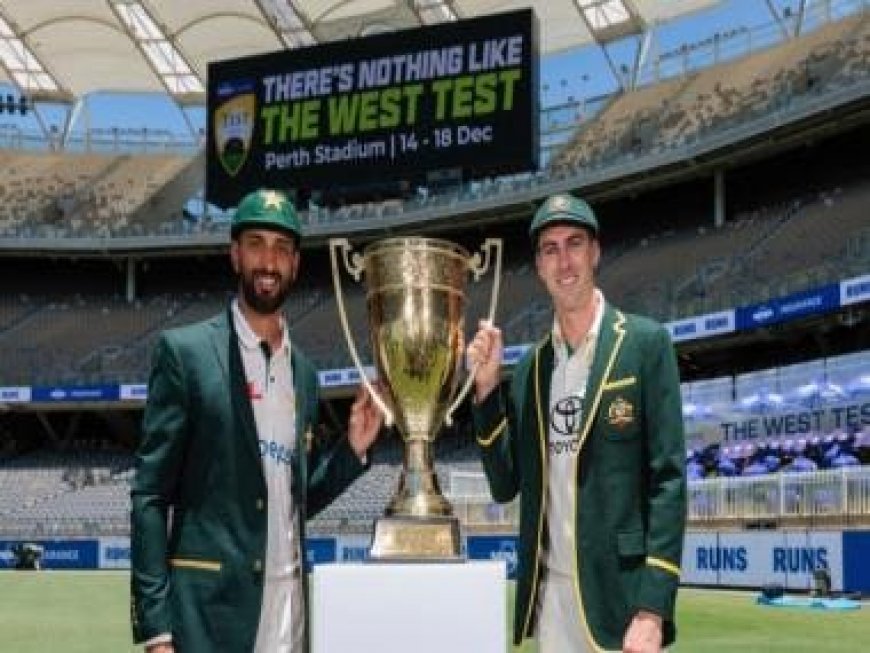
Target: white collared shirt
x: 269, y: 382
x: 567, y: 411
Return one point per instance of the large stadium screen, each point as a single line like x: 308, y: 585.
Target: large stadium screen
x: 392, y: 106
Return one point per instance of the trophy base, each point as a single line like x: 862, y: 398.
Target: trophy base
x: 416, y: 539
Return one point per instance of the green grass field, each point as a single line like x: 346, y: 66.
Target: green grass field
x: 87, y: 612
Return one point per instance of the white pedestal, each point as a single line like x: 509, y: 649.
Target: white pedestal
x: 399, y: 607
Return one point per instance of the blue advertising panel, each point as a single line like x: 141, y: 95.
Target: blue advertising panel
x: 856, y: 553
x: 855, y: 291
x: 755, y: 559
x: 702, y: 326
x: 114, y: 553
x: 62, y: 393
x: 319, y: 550
x: 494, y: 547
x: 56, y: 554
x: 15, y: 394
x: 791, y: 307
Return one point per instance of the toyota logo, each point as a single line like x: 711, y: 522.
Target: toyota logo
x: 567, y: 415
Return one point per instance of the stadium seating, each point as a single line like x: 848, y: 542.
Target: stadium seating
x: 668, y: 275
x: 669, y: 265
x: 53, y: 194
x: 78, y: 492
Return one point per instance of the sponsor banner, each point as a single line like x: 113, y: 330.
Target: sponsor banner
x: 391, y: 107
x: 319, y: 550
x: 133, y: 391
x: 856, y: 553
x: 786, y: 558
x: 343, y: 377
x: 60, y: 393
x: 15, y: 395
x: 513, y: 353
x: 114, y: 553
x: 353, y: 548
x: 854, y: 291
x: 783, y: 309
x: 847, y: 417
x: 56, y: 554
x: 494, y: 547
x: 702, y: 326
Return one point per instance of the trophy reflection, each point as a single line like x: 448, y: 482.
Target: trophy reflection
x: 415, y: 295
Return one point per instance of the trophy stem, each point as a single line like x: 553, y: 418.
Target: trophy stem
x: 418, y: 494
x: 419, y: 524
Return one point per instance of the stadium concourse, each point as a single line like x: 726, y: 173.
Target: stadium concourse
x: 732, y: 183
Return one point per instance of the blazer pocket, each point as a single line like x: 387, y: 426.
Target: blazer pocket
x: 618, y: 384
x: 196, y: 563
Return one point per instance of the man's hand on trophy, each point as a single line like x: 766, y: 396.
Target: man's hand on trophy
x: 485, y: 351
x: 364, y: 423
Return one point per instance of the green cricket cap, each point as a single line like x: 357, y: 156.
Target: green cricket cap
x: 563, y: 209
x: 266, y: 209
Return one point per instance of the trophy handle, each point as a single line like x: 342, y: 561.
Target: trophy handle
x: 478, y: 269
x: 353, y: 265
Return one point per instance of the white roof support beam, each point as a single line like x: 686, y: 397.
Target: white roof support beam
x: 431, y: 12
x: 779, y: 19
x: 610, y: 20
x: 289, y: 23
x: 23, y: 67
x: 643, y: 49
x: 613, y: 20
x: 802, y: 13
x: 160, y: 51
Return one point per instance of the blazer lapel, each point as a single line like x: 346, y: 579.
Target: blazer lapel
x: 226, y: 349
x: 302, y: 434
x: 610, y: 339
x: 541, y: 376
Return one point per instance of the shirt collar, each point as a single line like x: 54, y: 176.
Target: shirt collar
x: 559, y: 344
x: 246, y: 335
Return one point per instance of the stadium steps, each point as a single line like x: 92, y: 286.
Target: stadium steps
x: 13, y: 315
x: 83, y: 198
x: 165, y: 202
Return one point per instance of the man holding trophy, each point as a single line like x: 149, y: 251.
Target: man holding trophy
x: 228, y: 469
x: 590, y: 436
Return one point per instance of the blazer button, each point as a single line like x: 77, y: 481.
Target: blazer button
x: 260, y: 504
x: 258, y: 566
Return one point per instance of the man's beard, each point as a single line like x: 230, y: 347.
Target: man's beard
x: 264, y: 304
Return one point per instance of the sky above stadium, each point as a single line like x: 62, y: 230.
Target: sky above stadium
x: 565, y: 77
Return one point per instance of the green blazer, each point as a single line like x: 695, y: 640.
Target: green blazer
x: 199, y: 574
x: 629, y: 480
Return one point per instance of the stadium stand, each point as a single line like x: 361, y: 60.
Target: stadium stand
x: 664, y: 257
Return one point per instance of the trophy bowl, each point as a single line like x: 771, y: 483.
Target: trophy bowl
x: 416, y: 297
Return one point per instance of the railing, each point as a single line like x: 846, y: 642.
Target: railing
x: 842, y: 493
x: 111, y: 141
x: 740, y: 41
x: 839, y: 495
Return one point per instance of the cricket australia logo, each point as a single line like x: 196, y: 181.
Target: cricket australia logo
x: 559, y: 203
x: 566, y: 419
x: 233, y: 122
x: 620, y: 413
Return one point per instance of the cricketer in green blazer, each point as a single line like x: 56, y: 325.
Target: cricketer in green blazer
x: 200, y: 578
x: 628, y: 486
x: 200, y: 500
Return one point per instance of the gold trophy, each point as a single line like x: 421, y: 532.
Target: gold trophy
x: 415, y: 294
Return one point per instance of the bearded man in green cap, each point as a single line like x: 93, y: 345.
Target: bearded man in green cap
x: 590, y: 436
x: 227, y: 470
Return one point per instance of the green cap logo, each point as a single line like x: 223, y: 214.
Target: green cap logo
x: 563, y: 209
x: 266, y: 209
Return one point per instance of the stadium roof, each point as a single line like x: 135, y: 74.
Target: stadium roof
x: 62, y: 51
